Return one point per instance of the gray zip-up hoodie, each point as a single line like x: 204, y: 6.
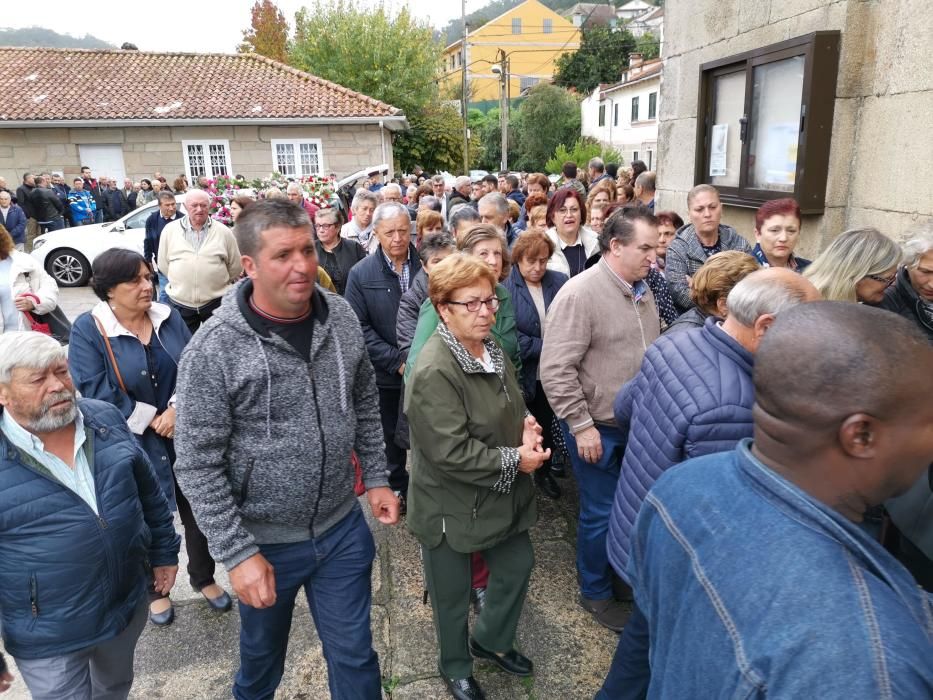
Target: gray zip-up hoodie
x: 263, y: 438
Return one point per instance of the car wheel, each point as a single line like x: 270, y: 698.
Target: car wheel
x: 68, y: 267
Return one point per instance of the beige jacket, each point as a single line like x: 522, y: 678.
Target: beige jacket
x: 595, y: 336
x: 196, y: 277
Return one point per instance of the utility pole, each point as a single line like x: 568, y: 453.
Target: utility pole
x: 504, y: 108
x: 463, y: 90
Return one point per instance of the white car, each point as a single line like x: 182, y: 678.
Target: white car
x: 67, y: 254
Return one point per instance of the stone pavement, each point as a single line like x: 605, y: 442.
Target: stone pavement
x: 196, y: 657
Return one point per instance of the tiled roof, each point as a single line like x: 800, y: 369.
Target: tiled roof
x: 79, y: 84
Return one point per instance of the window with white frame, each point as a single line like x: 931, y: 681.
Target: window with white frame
x: 297, y: 157
x: 208, y: 158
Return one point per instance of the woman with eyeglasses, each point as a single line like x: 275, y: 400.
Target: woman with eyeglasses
x: 573, y: 242
x: 335, y: 253
x: 474, y: 448
x: 859, y: 265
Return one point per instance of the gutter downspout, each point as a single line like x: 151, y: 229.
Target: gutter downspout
x: 382, y: 141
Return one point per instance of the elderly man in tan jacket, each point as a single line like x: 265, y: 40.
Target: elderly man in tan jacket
x: 598, y: 328
x: 200, y: 258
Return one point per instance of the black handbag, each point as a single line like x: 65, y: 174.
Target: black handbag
x: 58, y: 324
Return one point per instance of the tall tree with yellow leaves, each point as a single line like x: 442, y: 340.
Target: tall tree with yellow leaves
x: 268, y: 32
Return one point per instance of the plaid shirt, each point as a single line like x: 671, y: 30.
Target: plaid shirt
x: 404, y: 277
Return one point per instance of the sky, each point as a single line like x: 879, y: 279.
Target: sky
x: 183, y: 25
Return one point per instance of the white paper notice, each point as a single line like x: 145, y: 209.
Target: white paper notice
x: 717, y: 151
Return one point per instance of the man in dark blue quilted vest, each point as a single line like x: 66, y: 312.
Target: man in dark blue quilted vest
x: 82, y: 518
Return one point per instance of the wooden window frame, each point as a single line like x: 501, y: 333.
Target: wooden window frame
x: 635, y: 109
x: 601, y: 119
x: 652, y: 105
x: 820, y: 51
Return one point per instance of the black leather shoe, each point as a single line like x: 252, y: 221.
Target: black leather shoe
x: 510, y: 662
x: 221, y: 603
x: 478, y: 597
x: 559, y: 467
x: 546, y: 484
x: 464, y: 688
x: 164, y: 618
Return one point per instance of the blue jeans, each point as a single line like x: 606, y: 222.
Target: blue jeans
x: 630, y: 672
x: 335, y: 571
x: 597, y: 484
x: 163, y: 285
x: 98, y: 216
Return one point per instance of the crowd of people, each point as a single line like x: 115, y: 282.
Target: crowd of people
x: 750, y: 433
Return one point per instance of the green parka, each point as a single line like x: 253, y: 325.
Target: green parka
x: 458, y: 420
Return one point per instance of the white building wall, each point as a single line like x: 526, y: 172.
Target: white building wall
x: 634, y: 139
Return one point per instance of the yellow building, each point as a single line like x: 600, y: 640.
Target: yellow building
x: 533, y: 38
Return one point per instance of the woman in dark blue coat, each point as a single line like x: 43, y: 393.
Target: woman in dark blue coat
x: 125, y: 352
x: 533, y: 288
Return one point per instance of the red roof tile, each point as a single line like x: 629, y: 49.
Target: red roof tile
x: 80, y: 84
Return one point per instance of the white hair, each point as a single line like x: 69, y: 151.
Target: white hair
x: 293, y: 187
x: 498, y: 200
x: 389, y: 210
x: 27, y: 349
x: 462, y: 180
x: 760, y: 293
x: 363, y: 196
x: 919, y: 244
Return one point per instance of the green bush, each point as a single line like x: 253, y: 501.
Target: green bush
x: 581, y: 152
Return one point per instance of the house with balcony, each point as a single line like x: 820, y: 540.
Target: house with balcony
x: 532, y: 37
x: 624, y: 115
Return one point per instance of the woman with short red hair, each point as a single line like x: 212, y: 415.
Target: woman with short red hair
x: 574, y: 243
x: 777, y: 232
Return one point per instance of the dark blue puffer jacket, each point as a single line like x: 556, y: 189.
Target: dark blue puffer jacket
x: 68, y: 578
x: 692, y: 396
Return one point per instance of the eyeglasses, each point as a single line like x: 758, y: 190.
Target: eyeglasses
x: 568, y: 210
x: 325, y: 225
x: 886, y: 281
x: 492, y: 303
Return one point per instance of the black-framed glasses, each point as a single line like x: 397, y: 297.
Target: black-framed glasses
x: 492, y: 303
x: 886, y: 281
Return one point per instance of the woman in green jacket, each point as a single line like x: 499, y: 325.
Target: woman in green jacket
x: 487, y: 242
x: 474, y: 447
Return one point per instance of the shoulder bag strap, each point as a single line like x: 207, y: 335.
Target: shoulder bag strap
x: 113, y: 360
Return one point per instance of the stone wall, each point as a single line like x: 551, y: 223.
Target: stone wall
x: 882, y: 143
x: 346, y: 148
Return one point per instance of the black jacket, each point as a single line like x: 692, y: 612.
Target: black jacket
x: 902, y: 298
x: 338, y: 262
x: 46, y: 205
x: 455, y: 199
x: 23, y: 193
x: 374, y: 292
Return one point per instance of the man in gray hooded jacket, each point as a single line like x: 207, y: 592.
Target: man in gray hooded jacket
x: 274, y: 392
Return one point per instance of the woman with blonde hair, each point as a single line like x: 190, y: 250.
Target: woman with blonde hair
x: 711, y: 285
x: 427, y: 221
x: 603, y: 194
x: 859, y: 265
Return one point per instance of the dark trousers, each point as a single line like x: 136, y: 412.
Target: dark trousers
x: 447, y: 574
x: 597, y: 484
x: 194, y: 317
x: 541, y: 409
x: 630, y: 672
x: 55, y: 224
x: 335, y: 571
x: 200, y: 562
x: 395, y: 455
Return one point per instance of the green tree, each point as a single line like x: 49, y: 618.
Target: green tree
x: 434, y: 141
x: 268, y: 32
x: 648, y: 45
x: 601, y: 58
x: 391, y: 58
x: 548, y: 117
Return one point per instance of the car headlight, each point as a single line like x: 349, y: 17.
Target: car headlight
x: 38, y: 243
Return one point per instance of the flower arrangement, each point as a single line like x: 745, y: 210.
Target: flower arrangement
x: 319, y: 191
x: 222, y: 190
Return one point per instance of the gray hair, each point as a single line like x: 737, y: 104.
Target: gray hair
x: 331, y: 213
x: 293, y: 187
x: 196, y: 193
x: 498, y: 200
x: 461, y: 181
x: 461, y: 214
x: 165, y: 196
x: 760, y: 293
x: 27, y: 349
x: 434, y: 243
x: 429, y: 201
x: 363, y: 196
x: 389, y: 210
x: 647, y: 181
x: 391, y: 185
x: 266, y: 214
x: 597, y: 164
x: 919, y: 244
